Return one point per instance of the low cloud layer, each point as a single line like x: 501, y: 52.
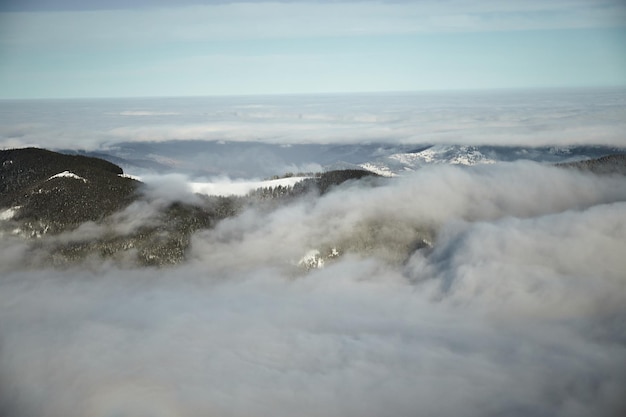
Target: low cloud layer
x: 530, y: 118
x: 517, y: 309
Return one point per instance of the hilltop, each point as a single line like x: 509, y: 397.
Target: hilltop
x: 56, y: 191
x: 83, y: 206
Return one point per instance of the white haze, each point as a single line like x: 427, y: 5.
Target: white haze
x: 517, y: 310
x: 228, y: 187
x: 515, y: 117
x: 176, y: 187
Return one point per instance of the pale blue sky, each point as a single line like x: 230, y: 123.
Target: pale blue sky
x: 65, y: 48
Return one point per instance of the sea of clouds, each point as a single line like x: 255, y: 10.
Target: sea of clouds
x: 517, y: 309
x: 504, y: 117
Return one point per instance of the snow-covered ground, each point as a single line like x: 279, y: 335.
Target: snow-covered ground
x: 132, y: 177
x: 402, y: 162
x: 9, y: 213
x: 227, y: 187
x: 67, y: 174
x: 379, y: 169
x: 442, y: 154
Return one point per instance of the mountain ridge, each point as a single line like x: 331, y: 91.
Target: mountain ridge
x: 59, y: 189
x: 198, y: 158
x: 82, y: 206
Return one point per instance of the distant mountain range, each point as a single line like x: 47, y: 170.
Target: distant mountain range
x: 259, y: 160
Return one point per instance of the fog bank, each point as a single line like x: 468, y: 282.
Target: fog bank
x: 516, y: 308
x: 507, y: 117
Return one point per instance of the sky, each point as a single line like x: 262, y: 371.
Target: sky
x: 140, y: 48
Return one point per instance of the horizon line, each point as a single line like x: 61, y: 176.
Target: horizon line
x: 328, y: 93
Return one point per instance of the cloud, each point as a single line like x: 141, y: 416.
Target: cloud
x: 517, y: 309
x: 387, y: 221
x: 526, y: 118
x: 301, y: 19
x: 146, y: 113
x: 582, y: 247
x: 227, y: 187
x: 168, y: 188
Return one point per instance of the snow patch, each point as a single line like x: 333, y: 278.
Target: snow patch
x: 380, y: 169
x: 441, y: 154
x: 67, y: 174
x: 132, y: 177
x: 8, y: 214
x: 312, y: 260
